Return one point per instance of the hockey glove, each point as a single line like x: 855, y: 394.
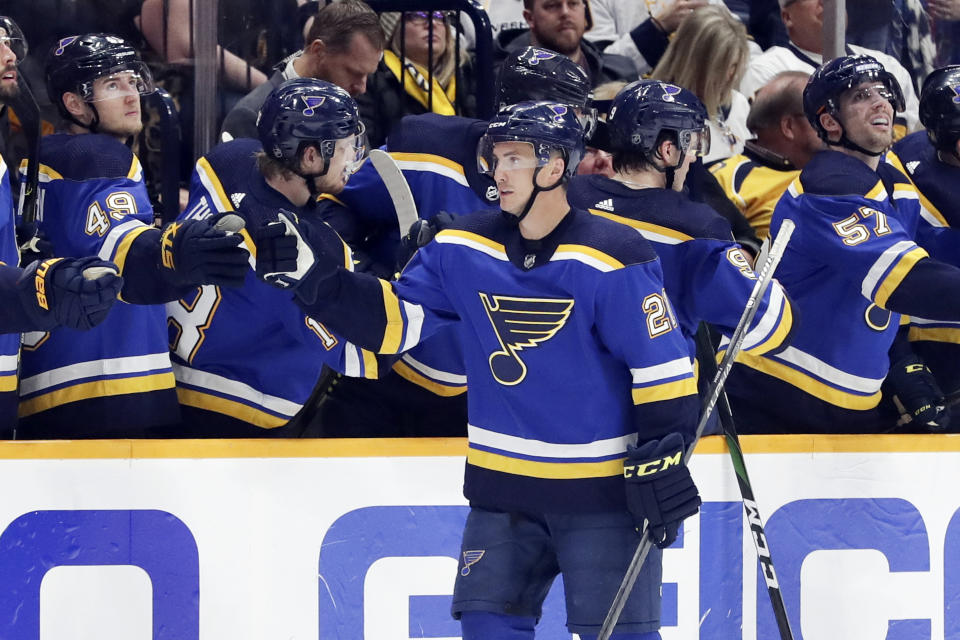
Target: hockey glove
x: 660, y: 490
x: 72, y: 293
x: 917, y: 395
x: 421, y: 232
x: 195, y: 252
x: 287, y: 260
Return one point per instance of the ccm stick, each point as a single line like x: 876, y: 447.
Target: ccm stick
x: 716, y: 386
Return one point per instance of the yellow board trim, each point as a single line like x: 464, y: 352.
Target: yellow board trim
x: 409, y: 374
x: 232, y: 408
x: 393, y: 332
x: 776, y: 340
x: 591, y: 252
x: 809, y: 384
x: 402, y: 156
x: 934, y: 334
x: 668, y: 391
x: 96, y: 389
x: 8, y: 383
x: 644, y: 226
x: 546, y: 470
x: 896, y: 275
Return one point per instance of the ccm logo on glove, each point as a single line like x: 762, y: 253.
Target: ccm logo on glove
x: 653, y: 466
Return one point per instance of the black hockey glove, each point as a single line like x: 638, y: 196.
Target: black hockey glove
x: 421, y: 233
x: 660, y: 490
x: 196, y: 252
x: 917, y: 396
x: 286, y: 259
x: 72, y: 293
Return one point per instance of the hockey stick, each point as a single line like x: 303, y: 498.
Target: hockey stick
x: 398, y: 189
x: 28, y: 112
x: 709, y: 367
x: 716, y: 386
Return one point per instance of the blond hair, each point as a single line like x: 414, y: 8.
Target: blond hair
x: 708, y: 43
x: 444, y: 65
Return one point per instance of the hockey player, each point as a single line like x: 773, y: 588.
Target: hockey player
x: 656, y: 131
x: 117, y: 379
x: 931, y: 159
x: 228, y: 344
x: 48, y: 294
x: 572, y: 356
x: 852, y: 267
x: 424, y: 394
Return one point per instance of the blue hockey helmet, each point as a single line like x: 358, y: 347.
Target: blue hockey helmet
x: 540, y: 74
x: 940, y: 107
x: 12, y: 36
x: 831, y: 80
x: 645, y: 110
x: 307, y: 111
x: 546, y: 126
x: 75, y: 62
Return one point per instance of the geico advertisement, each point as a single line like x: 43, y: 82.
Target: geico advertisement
x: 300, y: 540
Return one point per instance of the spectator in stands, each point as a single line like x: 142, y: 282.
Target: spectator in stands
x: 596, y: 160
x: 804, y: 22
x: 559, y: 25
x: 755, y: 179
x: 435, y: 77
x: 345, y: 45
x: 708, y: 56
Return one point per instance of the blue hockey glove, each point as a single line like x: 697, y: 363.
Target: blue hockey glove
x: 195, y: 252
x: 73, y: 293
x: 918, y: 396
x: 285, y: 257
x: 660, y: 490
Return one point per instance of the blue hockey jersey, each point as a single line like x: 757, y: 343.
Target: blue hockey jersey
x: 706, y: 274
x: 117, y: 375
x: 853, y: 244
x: 250, y: 353
x: 938, y: 184
x: 437, y: 155
x: 9, y: 342
x: 570, y: 348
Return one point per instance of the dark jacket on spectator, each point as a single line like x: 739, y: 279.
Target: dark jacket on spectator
x: 241, y: 122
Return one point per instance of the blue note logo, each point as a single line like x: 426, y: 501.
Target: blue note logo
x: 521, y: 323
x: 956, y: 93
x: 63, y: 44
x: 470, y: 558
x: 534, y: 56
x: 670, y: 92
x: 312, y: 103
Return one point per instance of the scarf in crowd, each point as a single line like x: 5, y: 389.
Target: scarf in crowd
x: 419, y: 88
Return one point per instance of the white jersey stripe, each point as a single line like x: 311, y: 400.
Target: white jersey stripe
x: 94, y: 368
x: 245, y: 392
x: 663, y: 371
x: 879, y: 269
x: 115, y: 236
x: 538, y: 448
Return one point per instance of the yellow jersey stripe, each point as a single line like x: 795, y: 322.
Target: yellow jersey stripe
x: 810, y: 384
x: 466, y: 235
x: 123, y: 247
x: 96, y: 389
x: 896, y: 275
x: 428, y: 157
x: 777, y: 337
x: 134, y: 169
x: 547, y: 470
x: 232, y: 408
x: 8, y: 383
x: 327, y: 196
x: 878, y: 192
x: 411, y: 375
x: 214, y: 181
x: 48, y: 172
x: 393, y: 332
x: 371, y: 369
x: 666, y: 391
x: 645, y: 226
x: 251, y: 245
x: 934, y: 334
x: 590, y: 252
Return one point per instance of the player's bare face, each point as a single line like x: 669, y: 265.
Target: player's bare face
x: 867, y: 115
x: 514, y: 170
x: 8, y: 69
x: 117, y: 100
x: 558, y: 24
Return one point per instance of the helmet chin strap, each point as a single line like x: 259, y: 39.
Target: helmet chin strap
x: 846, y: 142
x: 310, y: 179
x: 515, y: 220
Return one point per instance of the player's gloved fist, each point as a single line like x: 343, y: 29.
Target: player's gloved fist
x: 72, y: 293
x: 194, y: 252
x: 421, y: 232
x: 660, y: 490
x: 285, y: 257
x: 917, y: 395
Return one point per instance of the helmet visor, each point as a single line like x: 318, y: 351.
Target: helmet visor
x: 128, y: 79
x: 696, y: 141
x: 12, y: 37
x: 506, y: 153
x: 349, y: 150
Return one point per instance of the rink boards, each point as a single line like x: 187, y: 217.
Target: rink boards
x: 300, y: 540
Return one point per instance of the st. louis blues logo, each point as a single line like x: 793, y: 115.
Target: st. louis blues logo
x: 536, y: 55
x: 63, y: 44
x: 670, y: 92
x: 312, y: 103
x: 558, y: 112
x: 521, y: 323
x: 956, y: 93
x: 470, y: 558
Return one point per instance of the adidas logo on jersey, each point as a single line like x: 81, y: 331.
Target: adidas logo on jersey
x: 606, y: 205
x: 236, y: 198
x: 912, y: 166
